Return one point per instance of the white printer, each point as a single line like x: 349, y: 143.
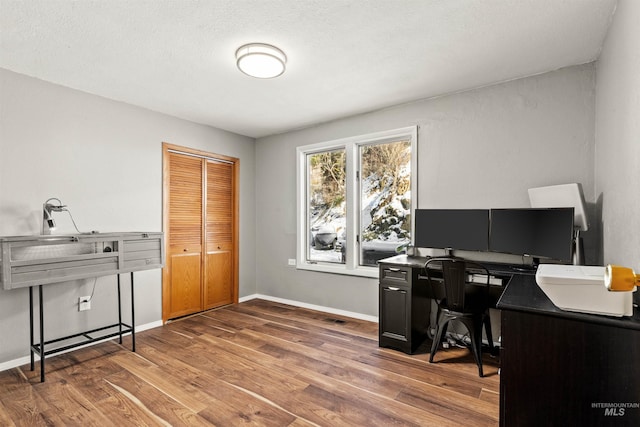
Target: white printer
x: 582, y: 289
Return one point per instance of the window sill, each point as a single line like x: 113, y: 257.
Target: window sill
x: 371, y: 272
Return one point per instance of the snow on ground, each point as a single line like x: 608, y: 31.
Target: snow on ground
x: 334, y: 218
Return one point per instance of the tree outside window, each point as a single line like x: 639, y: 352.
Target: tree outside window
x: 385, y: 200
x: 327, y: 206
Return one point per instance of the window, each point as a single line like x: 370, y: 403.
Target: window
x: 355, y: 199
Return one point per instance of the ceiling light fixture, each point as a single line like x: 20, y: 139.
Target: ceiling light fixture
x: 260, y: 60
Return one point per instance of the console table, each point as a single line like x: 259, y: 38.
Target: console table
x: 29, y: 261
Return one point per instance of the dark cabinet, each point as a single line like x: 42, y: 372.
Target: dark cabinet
x: 566, y: 369
x: 404, y: 308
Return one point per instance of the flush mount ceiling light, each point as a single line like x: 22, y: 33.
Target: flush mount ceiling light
x: 261, y: 60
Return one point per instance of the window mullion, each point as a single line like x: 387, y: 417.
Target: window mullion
x: 352, y: 206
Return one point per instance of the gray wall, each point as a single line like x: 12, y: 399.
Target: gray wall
x: 617, y: 160
x: 482, y: 148
x: 104, y: 160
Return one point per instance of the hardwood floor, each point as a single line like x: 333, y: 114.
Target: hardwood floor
x: 255, y: 363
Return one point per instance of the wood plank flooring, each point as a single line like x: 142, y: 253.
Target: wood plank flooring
x: 255, y: 363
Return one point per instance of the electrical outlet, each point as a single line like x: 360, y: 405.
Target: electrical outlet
x: 84, y: 303
x: 292, y: 261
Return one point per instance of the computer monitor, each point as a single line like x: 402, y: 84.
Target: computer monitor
x: 539, y: 233
x: 462, y: 229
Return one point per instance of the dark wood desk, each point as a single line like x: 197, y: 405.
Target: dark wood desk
x: 404, y: 305
x: 405, y: 301
x: 563, y: 368
x: 558, y: 368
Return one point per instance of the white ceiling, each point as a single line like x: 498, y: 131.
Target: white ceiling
x: 345, y: 57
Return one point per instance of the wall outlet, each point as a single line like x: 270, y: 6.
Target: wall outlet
x: 84, y: 303
x: 292, y: 261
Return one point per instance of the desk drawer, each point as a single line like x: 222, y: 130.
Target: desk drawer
x: 395, y: 274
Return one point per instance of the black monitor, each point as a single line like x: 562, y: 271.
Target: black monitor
x: 463, y: 229
x: 540, y: 233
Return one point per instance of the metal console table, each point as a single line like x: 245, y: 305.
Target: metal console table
x: 30, y: 261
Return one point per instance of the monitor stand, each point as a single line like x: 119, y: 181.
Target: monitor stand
x: 578, y: 248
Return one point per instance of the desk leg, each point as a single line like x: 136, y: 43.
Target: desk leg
x: 119, y: 311
x: 31, y: 326
x: 133, y: 319
x: 41, y: 334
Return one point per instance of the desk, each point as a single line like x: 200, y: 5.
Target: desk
x: 563, y: 368
x: 30, y: 261
x: 405, y: 301
x: 556, y: 367
x: 404, y: 304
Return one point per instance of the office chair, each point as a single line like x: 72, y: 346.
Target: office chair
x: 458, y: 300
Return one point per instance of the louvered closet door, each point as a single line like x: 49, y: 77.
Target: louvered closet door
x: 218, y: 277
x: 184, y: 254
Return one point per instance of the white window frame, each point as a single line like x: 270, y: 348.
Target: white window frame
x: 351, y: 146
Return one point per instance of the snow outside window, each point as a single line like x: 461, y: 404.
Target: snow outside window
x: 355, y: 201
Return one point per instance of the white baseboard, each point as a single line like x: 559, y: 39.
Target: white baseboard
x: 312, y: 307
x: 27, y: 359
x: 14, y: 363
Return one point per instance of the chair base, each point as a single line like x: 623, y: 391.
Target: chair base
x: 473, y: 322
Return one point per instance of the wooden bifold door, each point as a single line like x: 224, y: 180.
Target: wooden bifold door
x: 201, y: 231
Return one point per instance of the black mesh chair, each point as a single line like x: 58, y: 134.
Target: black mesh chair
x: 458, y: 300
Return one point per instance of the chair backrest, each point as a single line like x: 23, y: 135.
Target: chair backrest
x: 454, y: 279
